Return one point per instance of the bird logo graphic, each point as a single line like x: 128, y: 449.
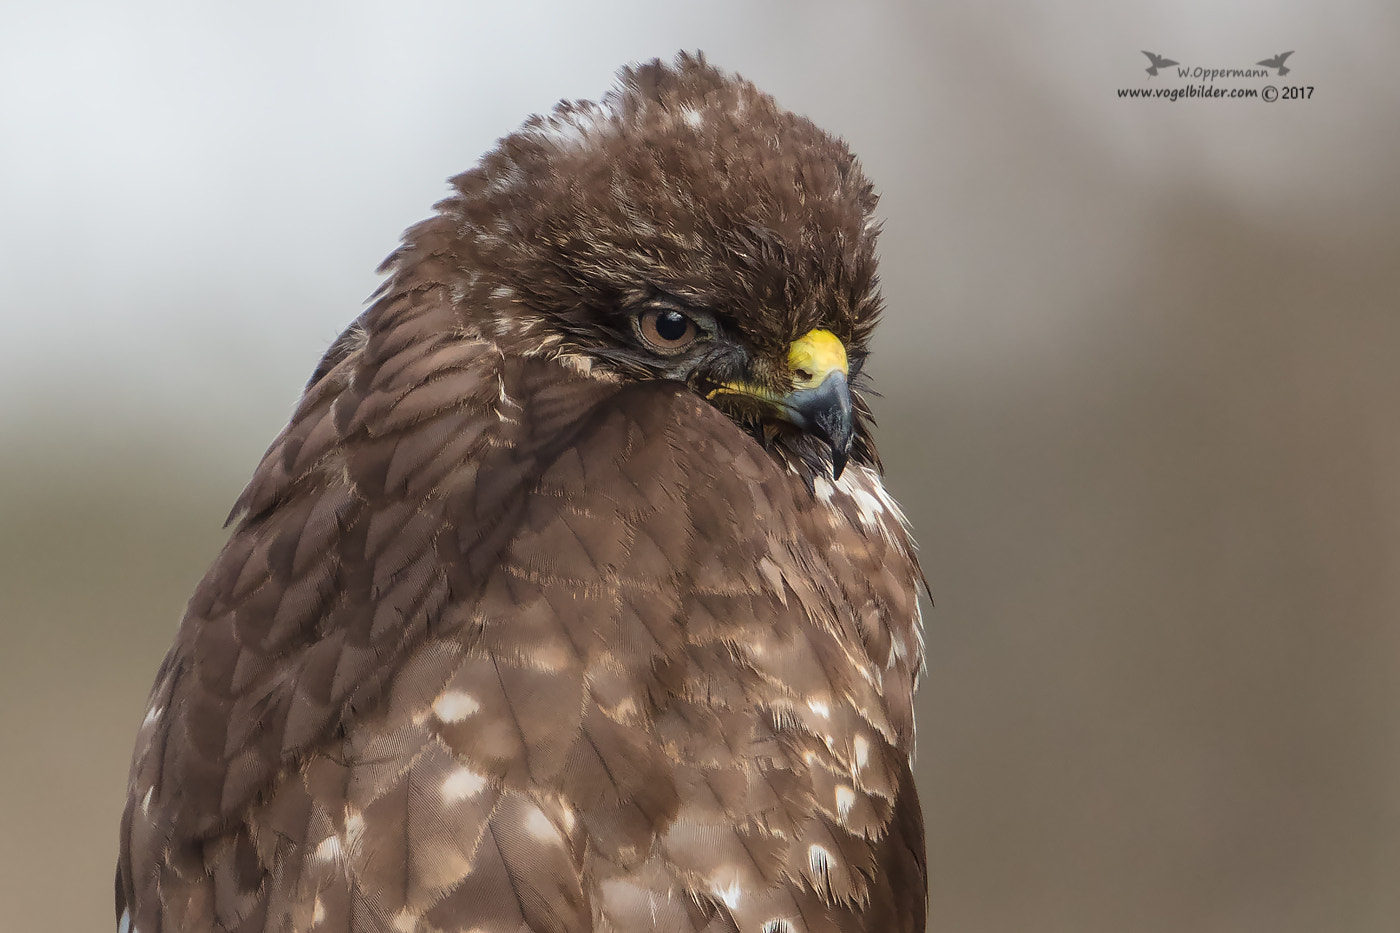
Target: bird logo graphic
x: 1157, y: 61
x: 1277, y: 62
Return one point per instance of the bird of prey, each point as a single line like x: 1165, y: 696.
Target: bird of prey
x: 1277, y: 62
x: 571, y: 598
x: 1157, y: 62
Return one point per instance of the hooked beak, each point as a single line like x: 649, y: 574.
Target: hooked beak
x: 820, y: 400
x: 825, y: 410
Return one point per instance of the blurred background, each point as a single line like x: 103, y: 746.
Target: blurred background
x: 1141, y: 398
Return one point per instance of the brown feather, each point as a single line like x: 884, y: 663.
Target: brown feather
x: 516, y: 631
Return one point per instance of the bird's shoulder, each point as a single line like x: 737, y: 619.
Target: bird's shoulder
x: 458, y: 585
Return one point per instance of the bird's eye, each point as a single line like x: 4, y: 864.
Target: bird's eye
x: 666, y: 330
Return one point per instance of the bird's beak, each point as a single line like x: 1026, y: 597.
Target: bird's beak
x: 820, y: 400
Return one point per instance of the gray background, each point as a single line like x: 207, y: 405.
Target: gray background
x: 1140, y: 399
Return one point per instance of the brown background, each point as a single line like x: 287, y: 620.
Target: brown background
x: 1140, y: 398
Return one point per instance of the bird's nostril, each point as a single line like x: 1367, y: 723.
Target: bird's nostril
x: 802, y: 375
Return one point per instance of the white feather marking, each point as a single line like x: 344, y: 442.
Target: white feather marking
x: 562, y: 133
x: 506, y: 402
x: 869, y: 506
x: 774, y: 577
x: 875, y: 508
x: 509, y: 177
x: 862, y: 746
x: 731, y: 894
x: 845, y: 799
x: 540, y: 826
x: 455, y: 705
x: 898, y: 651
x: 318, y: 913
x: 461, y: 784
x: 329, y: 849
x: 577, y: 362
x: 919, y: 633
x: 820, y: 707
x: 146, y: 800
x: 784, y: 718
x: 152, y: 715
x: 819, y: 859
x: 124, y: 924
x: 405, y: 921
x: 572, y: 129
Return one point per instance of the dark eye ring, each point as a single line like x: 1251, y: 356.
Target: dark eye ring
x: 666, y: 330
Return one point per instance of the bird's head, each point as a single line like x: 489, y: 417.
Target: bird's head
x: 684, y: 228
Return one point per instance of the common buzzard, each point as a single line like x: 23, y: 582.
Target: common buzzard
x: 570, y: 599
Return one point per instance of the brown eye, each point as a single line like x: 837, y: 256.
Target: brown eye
x: 666, y: 330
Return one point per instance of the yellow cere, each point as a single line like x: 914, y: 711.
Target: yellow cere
x: 814, y: 356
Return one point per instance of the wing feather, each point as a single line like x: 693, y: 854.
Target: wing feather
x: 502, y: 647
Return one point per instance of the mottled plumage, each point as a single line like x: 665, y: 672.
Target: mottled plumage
x: 553, y: 607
